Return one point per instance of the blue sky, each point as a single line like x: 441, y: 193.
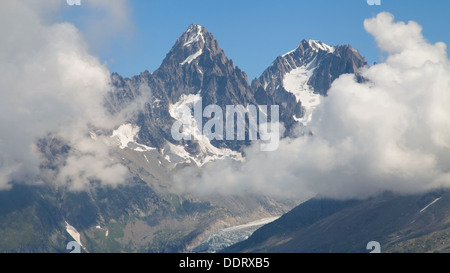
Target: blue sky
x: 251, y: 32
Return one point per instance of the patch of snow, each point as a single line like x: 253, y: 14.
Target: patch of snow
x: 207, y: 151
x: 318, y: 45
x: 192, y: 57
x: 184, y: 101
x: 176, y: 153
x: 296, y: 82
x: 125, y: 134
x: 74, y: 233
x: 194, y: 37
x: 106, y: 230
x: 435, y: 200
x: 126, y: 138
x: 142, y: 148
x: 176, y: 111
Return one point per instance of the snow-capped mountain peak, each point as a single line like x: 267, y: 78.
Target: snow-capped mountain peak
x: 318, y: 45
x: 192, y: 44
x: 305, y: 74
x: 194, y: 34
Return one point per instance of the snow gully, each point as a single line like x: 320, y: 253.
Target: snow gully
x: 188, y: 126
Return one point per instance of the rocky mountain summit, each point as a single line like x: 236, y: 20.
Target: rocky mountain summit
x: 301, y: 77
x: 197, y: 67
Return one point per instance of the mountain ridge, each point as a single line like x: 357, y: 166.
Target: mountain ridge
x: 400, y: 223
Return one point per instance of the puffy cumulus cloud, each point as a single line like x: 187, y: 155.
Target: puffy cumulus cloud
x: 49, y: 83
x: 390, y: 133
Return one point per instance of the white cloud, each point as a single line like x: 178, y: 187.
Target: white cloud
x: 91, y: 161
x: 390, y: 133
x: 50, y: 84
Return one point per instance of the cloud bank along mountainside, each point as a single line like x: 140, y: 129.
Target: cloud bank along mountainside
x: 390, y: 133
x: 51, y: 84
